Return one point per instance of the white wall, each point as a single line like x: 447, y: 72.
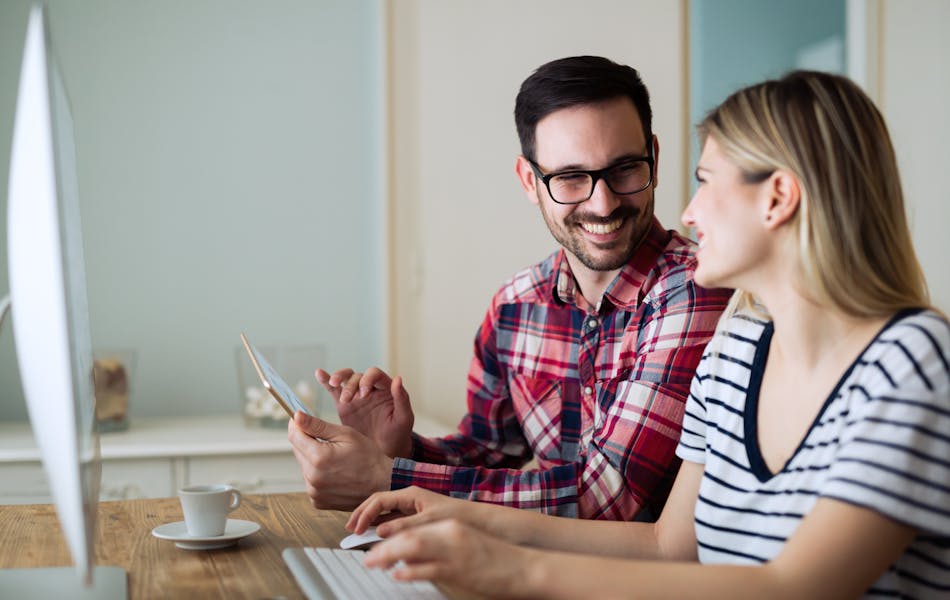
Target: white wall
x: 915, y: 86
x: 462, y: 224
x: 229, y: 177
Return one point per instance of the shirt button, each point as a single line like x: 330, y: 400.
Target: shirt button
x: 588, y: 390
x: 592, y: 323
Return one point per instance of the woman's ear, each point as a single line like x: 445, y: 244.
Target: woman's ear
x: 784, y: 196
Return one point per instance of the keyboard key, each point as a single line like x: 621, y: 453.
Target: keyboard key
x: 349, y: 579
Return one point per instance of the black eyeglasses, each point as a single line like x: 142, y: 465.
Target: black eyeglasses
x: 629, y: 176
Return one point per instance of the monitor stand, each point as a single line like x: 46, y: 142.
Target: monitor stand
x: 56, y: 583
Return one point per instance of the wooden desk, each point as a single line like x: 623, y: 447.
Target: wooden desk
x: 30, y: 537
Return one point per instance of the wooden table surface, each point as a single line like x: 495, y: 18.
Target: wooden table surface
x: 30, y: 537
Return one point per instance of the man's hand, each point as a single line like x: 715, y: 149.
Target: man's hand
x: 373, y: 404
x: 341, y: 468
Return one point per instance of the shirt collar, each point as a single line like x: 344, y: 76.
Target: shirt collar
x: 625, y: 290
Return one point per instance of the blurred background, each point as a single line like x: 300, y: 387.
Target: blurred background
x: 230, y: 180
x: 338, y: 174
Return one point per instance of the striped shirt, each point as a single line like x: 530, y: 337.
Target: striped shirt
x: 881, y: 441
x: 596, y: 397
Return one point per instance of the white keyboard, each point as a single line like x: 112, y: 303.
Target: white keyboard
x: 334, y: 574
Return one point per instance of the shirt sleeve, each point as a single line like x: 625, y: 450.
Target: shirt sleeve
x: 489, y: 446
x: 630, y: 462
x: 895, y: 446
x: 490, y: 434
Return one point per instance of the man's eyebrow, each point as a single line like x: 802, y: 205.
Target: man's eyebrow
x: 615, y: 161
x: 629, y: 157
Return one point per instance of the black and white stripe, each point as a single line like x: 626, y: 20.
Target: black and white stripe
x: 881, y: 440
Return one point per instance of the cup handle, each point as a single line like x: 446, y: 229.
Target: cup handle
x: 235, y: 500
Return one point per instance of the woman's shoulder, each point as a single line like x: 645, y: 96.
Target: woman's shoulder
x: 921, y: 334
x: 731, y: 352
x: 740, y: 329
x: 913, y: 352
x: 923, y: 322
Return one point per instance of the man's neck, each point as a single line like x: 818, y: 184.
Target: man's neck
x: 592, y: 284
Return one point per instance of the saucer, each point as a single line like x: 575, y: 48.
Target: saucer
x: 234, y: 530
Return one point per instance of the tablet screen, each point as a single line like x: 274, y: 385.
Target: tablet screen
x: 278, y: 388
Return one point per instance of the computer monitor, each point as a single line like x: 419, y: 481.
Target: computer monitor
x: 50, y: 316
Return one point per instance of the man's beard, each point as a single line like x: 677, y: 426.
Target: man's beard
x: 620, y: 251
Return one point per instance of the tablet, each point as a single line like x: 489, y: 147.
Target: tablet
x: 274, y: 383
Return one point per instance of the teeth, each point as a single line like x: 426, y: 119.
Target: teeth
x: 602, y: 228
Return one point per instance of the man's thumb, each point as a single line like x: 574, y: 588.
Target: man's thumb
x: 401, y: 398
x: 316, y: 427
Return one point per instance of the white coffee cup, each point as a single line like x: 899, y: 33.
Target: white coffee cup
x: 206, y: 508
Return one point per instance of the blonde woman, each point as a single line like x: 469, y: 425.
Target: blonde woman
x: 816, y: 444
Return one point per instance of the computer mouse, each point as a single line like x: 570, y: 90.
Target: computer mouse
x: 355, y: 540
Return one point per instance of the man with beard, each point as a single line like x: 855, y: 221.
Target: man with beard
x: 583, y: 361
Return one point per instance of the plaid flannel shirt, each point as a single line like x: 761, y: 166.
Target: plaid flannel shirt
x: 597, y: 398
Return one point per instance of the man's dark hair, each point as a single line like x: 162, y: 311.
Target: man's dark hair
x: 574, y: 81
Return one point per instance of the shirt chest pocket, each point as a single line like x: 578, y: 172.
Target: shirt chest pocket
x: 607, y: 395
x: 550, y: 415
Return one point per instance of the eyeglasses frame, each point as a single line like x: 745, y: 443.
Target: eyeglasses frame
x: 595, y: 175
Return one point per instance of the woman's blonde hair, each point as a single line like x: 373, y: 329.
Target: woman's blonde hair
x: 854, y: 243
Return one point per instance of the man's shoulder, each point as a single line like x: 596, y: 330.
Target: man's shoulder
x: 677, y: 256
x: 533, y: 284
x: 673, y: 268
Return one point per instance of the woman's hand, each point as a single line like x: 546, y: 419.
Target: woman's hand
x: 458, y: 555
x: 407, y: 508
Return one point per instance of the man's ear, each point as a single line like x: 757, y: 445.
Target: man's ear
x: 529, y: 181
x: 783, y: 198
x: 656, y: 161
